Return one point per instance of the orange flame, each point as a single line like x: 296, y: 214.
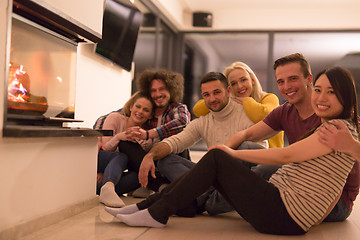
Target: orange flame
x: 16, y: 90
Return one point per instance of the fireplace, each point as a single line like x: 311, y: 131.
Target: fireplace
x: 41, y: 79
x: 42, y: 72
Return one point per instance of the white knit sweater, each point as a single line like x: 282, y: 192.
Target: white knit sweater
x: 214, y: 128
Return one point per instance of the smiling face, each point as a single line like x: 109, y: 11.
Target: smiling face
x: 141, y: 111
x: 324, y: 100
x: 215, y: 95
x: 240, y: 83
x: 291, y: 82
x: 159, y: 93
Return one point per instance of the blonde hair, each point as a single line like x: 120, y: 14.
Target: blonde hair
x: 257, y: 92
x: 126, y: 109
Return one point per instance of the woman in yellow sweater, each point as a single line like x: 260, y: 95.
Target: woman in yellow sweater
x: 246, y: 90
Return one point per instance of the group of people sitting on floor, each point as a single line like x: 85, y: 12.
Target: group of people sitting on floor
x: 277, y: 189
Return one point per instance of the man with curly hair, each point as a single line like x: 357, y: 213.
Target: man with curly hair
x: 166, y: 88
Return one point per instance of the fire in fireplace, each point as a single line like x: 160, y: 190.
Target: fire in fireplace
x: 41, y: 79
x: 41, y: 67
x: 20, y: 98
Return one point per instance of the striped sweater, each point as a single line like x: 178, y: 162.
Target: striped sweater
x: 308, y: 188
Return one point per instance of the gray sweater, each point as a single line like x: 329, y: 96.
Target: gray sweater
x: 214, y: 128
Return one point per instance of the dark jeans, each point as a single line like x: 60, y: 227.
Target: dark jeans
x: 254, y: 198
x: 113, y: 164
x: 174, y: 166
x: 339, y: 213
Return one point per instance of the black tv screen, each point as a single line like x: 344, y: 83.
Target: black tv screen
x: 121, y: 23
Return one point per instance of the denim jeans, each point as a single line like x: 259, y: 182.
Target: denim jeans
x: 265, y: 171
x: 339, y: 213
x: 173, y: 166
x: 112, y: 164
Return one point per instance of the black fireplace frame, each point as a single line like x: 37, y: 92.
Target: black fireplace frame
x: 60, y: 23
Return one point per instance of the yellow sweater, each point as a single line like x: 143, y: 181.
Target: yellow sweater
x: 256, y: 111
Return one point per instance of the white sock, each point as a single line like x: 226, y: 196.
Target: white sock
x: 140, y: 219
x: 125, y: 210
x: 109, y: 197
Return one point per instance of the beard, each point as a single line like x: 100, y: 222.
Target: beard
x: 162, y: 103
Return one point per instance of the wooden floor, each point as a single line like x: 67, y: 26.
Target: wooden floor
x: 96, y: 224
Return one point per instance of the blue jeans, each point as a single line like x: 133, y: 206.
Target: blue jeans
x: 265, y: 171
x: 339, y: 213
x: 112, y: 164
x: 173, y: 166
x: 250, y: 145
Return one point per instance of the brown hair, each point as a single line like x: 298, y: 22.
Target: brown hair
x: 293, y: 58
x: 126, y: 109
x: 213, y: 76
x: 174, y: 82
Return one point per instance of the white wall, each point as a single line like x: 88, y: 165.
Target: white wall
x: 101, y: 86
x: 84, y: 11
x: 174, y: 10
x: 265, y: 14
x: 43, y: 175
x: 298, y: 18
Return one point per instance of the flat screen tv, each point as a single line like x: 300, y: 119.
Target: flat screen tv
x: 121, y: 24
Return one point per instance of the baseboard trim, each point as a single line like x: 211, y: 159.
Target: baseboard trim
x: 34, y: 225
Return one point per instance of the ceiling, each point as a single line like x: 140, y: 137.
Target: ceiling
x: 322, y: 48
x: 216, y: 5
x: 262, y: 14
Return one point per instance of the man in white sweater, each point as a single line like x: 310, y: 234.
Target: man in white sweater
x: 225, y: 119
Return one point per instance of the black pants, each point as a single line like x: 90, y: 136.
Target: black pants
x: 135, y: 155
x: 255, y: 199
